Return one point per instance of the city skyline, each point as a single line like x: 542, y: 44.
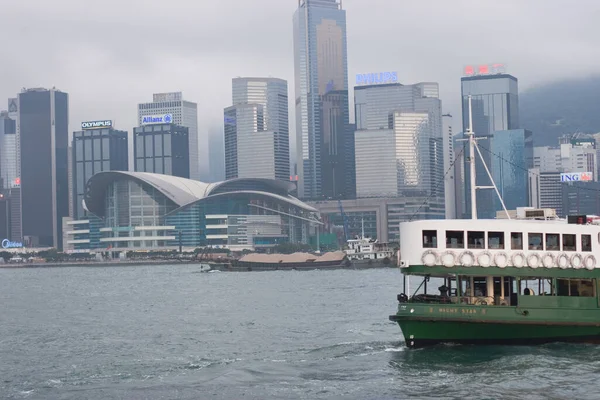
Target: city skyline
x: 112, y: 88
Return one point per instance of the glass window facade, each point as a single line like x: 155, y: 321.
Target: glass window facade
x: 94, y: 151
x: 321, y: 87
x: 162, y: 149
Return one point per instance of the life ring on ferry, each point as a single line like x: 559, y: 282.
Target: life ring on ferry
x: 534, y: 260
x: 589, y: 262
x: 518, y: 259
x: 467, y: 258
x: 429, y: 258
x: 448, y: 259
x: 484, y: 259
x: 501, y: 259
x: 576, y: 261
x: 563, y: 261
x: 548, y: 260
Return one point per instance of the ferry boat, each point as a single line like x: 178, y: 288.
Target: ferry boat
x: 500, y: 281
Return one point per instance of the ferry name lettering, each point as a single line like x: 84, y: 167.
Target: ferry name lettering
x: 456, y: 311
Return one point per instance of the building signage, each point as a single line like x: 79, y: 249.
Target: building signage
x: 7, y: 244
x: 377, y: 78
x: 486, y: 69
x: 96, y: 124
x: 157, y: 119
x: 576, y: 177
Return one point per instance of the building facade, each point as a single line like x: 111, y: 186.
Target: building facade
x: 43, y: 124
x: 272, y: 95
x: 95, y: 149
x: 380, y: 216
x: 183, y: 113
x: 8, y: 151
x: 564, y: 177
x: 162, y: 148
x: 399, y: 142
x: 495, y: 108
x: 257, y: 130
x: 144, y: 211
x: 321, y: 88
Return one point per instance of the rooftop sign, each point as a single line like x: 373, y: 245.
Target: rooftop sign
x: 157, y: 119
x: 96, y: 124
x: 376, y: 78
x: 576, y: 177
x: 485, y: 69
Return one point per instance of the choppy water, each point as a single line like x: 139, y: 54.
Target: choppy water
x: 172, y: 333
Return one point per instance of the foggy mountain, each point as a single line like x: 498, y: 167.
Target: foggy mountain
x: 556, y: 108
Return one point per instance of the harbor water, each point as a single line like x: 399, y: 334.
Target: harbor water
x: 171, y: 332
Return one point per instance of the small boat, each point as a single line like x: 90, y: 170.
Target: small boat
x: 525, y: 280
x: 368, y: 251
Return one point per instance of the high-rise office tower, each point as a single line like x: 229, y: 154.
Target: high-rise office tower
x: 257, y: 129
x: 13, y: 113
x: 184, y: 113
x: 321, y: 87
x: 161, y: 148
x: 399, y: 144
x: 495, y: 107
x: 8, y: 150
x: 44, y: 135
x: 97, y: 147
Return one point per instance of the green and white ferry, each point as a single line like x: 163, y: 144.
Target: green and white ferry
x: 500, y: 281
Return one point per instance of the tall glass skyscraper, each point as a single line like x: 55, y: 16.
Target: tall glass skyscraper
x: 162, y: 149
x: 262, y: 145
x: 495, y: 108
x: 43, y: 123
x: 184, y: 113
x: 322, y: 116
x: 95, y: 150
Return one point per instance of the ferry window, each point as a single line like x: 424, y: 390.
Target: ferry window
x: 586, y: 242
x: 552, y: 241
x: 535, y: 241
x: 569, y: 242
x: 455, y: 239
x: 516, y: 241
x: 430, y: 239
x: 475, y: 240
x: 495, y: 240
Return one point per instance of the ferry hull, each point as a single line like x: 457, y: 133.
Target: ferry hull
x: 421, y: 333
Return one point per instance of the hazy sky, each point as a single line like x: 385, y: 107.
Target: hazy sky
x: 110, y: 55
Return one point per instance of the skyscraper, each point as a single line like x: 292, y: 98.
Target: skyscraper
x: 8, y: 150
x: 495, y: 107
x: 44, y: 135
x: 399, y: 143
x: 184, y: 113
x: 321, y: 82
x: 97, y: 147
x: 257, y: 129
x: 161, y: 148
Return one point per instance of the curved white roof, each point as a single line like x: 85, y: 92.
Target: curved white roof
x: 182, y: 191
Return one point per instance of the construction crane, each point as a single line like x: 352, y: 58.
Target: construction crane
x: 345, y: 219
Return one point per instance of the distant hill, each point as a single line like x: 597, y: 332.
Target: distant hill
x: 554, y: 109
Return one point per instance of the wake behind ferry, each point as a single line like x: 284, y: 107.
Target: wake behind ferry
x: 501, y: 281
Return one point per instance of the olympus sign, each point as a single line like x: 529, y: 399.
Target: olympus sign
x: 96, y: 124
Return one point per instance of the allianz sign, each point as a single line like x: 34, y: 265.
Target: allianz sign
x: 577, y: 177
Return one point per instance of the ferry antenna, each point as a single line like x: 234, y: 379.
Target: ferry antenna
x: 472, y: 147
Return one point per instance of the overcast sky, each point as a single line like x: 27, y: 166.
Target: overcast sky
x: 110, y: 55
